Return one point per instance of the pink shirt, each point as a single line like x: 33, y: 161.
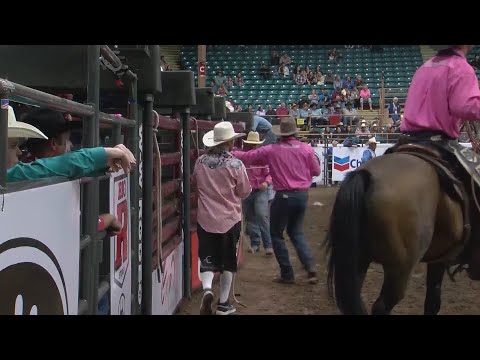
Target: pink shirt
x: 444, y: 92
x: 258, y: 174
x: 222, y: 183
x: 365, y: 93
x: 292, y: 163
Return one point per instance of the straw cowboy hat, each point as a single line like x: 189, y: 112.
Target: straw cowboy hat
x: 287, y: 127
x: 221, y: 133
x: 18, y: 129
x: 372, y: 141
x: 253, y: 138
x: 363, y: 124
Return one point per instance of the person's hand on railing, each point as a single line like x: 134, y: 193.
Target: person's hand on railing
x: 119, y: 157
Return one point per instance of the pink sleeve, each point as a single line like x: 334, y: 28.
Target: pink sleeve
x: 243, y: 188
x: 254, y: 157
x: 464, y: 94
x: 268, y: 178
x: 314, y: 164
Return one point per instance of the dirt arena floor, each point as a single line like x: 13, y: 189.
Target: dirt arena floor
x: 263, y: 297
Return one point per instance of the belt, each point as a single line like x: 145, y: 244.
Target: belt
x: 434, y: 136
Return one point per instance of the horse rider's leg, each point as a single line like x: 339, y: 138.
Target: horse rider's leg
x: 433, y: 300
x: 296, y: 215
x: 278, y: 223
x: 395, y: 283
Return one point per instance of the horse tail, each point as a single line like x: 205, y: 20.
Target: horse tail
x: 345, y: 240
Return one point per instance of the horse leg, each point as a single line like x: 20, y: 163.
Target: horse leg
x: 433, y: 298
x: 395, y: 283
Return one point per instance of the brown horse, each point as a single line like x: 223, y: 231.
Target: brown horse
x: 395, y: 210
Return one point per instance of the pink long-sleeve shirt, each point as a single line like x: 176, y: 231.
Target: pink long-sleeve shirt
x: 222, y: 182
x: 257, y: 174
x: 444, y: 92
x: 292, y: 163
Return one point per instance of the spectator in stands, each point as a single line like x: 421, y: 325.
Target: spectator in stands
x: 329, y: 77
x: 350, y: 114
x: 301, y: 79
x: 294, y: 112
x: 292, y: 165
x: 265, y: 71
x: 260, y: 111
x: 164, y: 66
x: 337, y: 84
x: 337, y: 96
x: 370, y: 152
x: 249, y: 108
x: 284, y: 71
x: 219, y: 78
x: 222, y: 184
x: 285, y: 59
x: 305, y: 112
x: 222, y: 91
x: 320, y: 78
x: 335, y: 117
x: 275, y: 59
x: 237, y: 108
x: 239, y: 80
x: 282, y: 110
x: 348, y: 129
x: 318, y: 70
x: 311, y: 80
x: 394, y: 110
x: 475, y: 62
x: 325, y: 97
x: 270, y: 113
x: 359, y: 81
x: 230, y: 82
x: 348, y: 83
x: 355, y: 97
x: 315, y: 115
x: 255, y: 206
x: 363, y: 130
x: 313, y: 97
x: 365, y: 96
x: 374, y: 129
x: 334, y: 55
x: 296, y: 70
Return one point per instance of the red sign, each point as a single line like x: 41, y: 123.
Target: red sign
x: 202, y: 69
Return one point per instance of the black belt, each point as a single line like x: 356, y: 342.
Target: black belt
x: 435, y: 136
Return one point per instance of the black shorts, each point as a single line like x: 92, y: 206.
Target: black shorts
x: 218, y: 252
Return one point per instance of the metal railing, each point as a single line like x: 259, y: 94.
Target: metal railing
x: 90, y: 240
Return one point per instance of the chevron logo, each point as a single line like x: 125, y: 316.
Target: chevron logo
x: 341, y: 164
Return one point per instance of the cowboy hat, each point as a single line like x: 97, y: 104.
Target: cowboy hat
x: 253, y: 138
x: 287, y: 127
x: 221, y: 133
x: 18, y: 129
x: 372, y: 141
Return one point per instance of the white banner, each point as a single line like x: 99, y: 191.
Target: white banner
x: 320, y: 153
x: 167, y: 293
x: 39, y: 250
x: 120, y: 247
x: 346, y: 159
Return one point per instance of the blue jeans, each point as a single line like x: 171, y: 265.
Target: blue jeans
x: 288, y: 211
x: 257, y: 218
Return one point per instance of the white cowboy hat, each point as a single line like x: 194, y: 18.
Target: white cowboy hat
x: 372, y: 141
x: 18, y: 129
x: 221, y: 133
x: 253, y: 138
x: 363, y: 123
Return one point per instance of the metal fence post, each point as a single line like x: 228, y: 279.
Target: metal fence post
x: 3, y: 143
x: 148, y: 204
x: 185, y: 149
x: 89, y: 286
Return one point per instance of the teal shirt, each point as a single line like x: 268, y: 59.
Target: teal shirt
x: 88, y: 162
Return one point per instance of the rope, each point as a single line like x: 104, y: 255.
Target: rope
x: 158, y: 185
